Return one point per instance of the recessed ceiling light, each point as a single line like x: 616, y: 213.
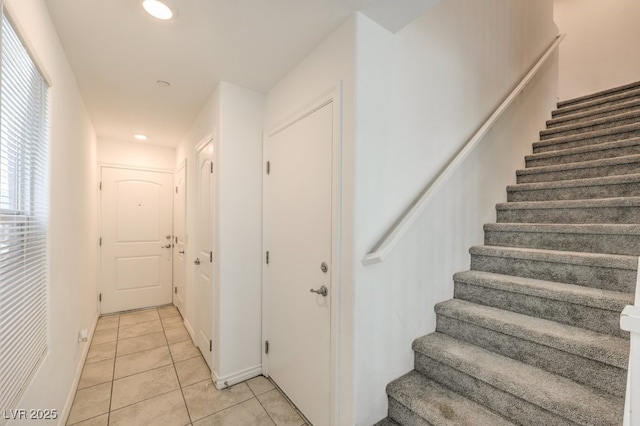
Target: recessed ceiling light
x: 140, y: 137
x: 158, y: 9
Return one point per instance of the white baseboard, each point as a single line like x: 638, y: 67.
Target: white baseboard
x: 237, y: 377
x: 64, y: 416
x: 187, y: 325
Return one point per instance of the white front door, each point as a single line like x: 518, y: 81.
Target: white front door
x: 136, y: 239
x: 179, y: 242
x: 204, y: 253
x: 299, y: 240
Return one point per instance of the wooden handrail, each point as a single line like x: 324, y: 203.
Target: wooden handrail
x: 386, y: 244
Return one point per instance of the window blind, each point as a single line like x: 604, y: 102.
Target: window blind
x: 23, y: 216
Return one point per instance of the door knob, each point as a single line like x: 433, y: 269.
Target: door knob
x: 166, y: 246
x: 322, y: 291
x: 181, y: 252
x: 197, y: 261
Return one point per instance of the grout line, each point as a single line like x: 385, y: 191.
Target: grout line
x: 113, y: 373
x: 173, y: 363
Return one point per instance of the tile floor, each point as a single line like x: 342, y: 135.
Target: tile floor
x: 142, y: 368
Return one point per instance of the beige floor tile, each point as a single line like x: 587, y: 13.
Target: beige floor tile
x: 140, y: 329
x: 168, y: 311
x: 279, y: 409
x: 166, y: 410
x: 90, y: 402
x: 138, y: 362
x: 104, y: 336
x: 171, y: 322
x: 101, y: 352
x: 183, y: 350
x: 95, y: 421
x: 176, y: 334
x: 247, y: 413
x: 107, y: 322
x: 203, y: 399
x: 132, y: 389
x: 141, y: 343
x: 96, y: 373
x: 138, y: 317
x: 260, y: 385
x: 192, y: 371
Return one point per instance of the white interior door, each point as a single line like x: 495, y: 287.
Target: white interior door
x: 299, y: 232
x: 204, y: 253
x: 136, y: 239
x: 179, y: 237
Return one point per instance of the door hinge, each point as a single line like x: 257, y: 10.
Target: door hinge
x: 176, y: 240
x: 100, y: 242
x: 267, y: 258
x: 210, y: 345
x: 268, y: 167
x: 100, y: 297
x: 175, y: 290
x: 100, y: 185
x: 266, y: 346
x: 176, y: 189
x: 210, y: 257
x: 211, y: 167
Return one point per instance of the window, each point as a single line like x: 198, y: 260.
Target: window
x: 23, y: 216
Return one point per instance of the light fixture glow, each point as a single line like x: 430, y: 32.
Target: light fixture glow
x: 158, y: 9
x: 140, y: 137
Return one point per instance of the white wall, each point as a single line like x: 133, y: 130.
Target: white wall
x: 235, y: 116
x: 134, y: 154
x: 436, y: 81
x: 601, y: 47
x: 73, y: 216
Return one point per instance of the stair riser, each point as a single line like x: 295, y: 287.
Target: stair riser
x: 539, y: 147
x: 404, y: 416
x: 576, y: 118
x: 576, y: 193
x: 590, y: 172
x: 555, y: 133
x: 596, y: 277
x: 595, y: 104
x: 620, y: 215
x: 499, y: 401
x: 590, y: 318
x: 593, y: 243
x: 582, y: 370
x: 584, y: 156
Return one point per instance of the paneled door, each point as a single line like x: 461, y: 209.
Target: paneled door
x: 136, y: 239
x: 204, y: 252
x: 298, y: 207
x: 179, y: 235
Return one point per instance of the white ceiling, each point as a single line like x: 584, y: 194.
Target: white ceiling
x: 118, y: 52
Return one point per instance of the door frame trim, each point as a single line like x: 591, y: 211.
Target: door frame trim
x: 333, y: 96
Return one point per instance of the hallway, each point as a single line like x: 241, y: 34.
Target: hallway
x: 142, y: 368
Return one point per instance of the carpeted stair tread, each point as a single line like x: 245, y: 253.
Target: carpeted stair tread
x: 588, y: 138
x: 575, y: 294
x: 387, y: 422
x: 600, y: 94
x: 585, y: 343
x: 599, y: 187
x: 592, y: 125
x: 605, y: 210
x: 628, y: 164
x: 585, y: 153
x: 598, y: 270
x: 621, y: 239
x: 553, y: 393
x: 438, y: 405
x: 596, y: 103
x: 605, y: 111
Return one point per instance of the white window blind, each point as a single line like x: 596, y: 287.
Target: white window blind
x: 23, y: 216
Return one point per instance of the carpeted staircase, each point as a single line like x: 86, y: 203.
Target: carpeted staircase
x: 532, y: 336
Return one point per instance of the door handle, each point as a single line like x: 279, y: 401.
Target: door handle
x: 322, y: 291
x: 181, y: 252
x: 166, y: 246
x: 197, y: 261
